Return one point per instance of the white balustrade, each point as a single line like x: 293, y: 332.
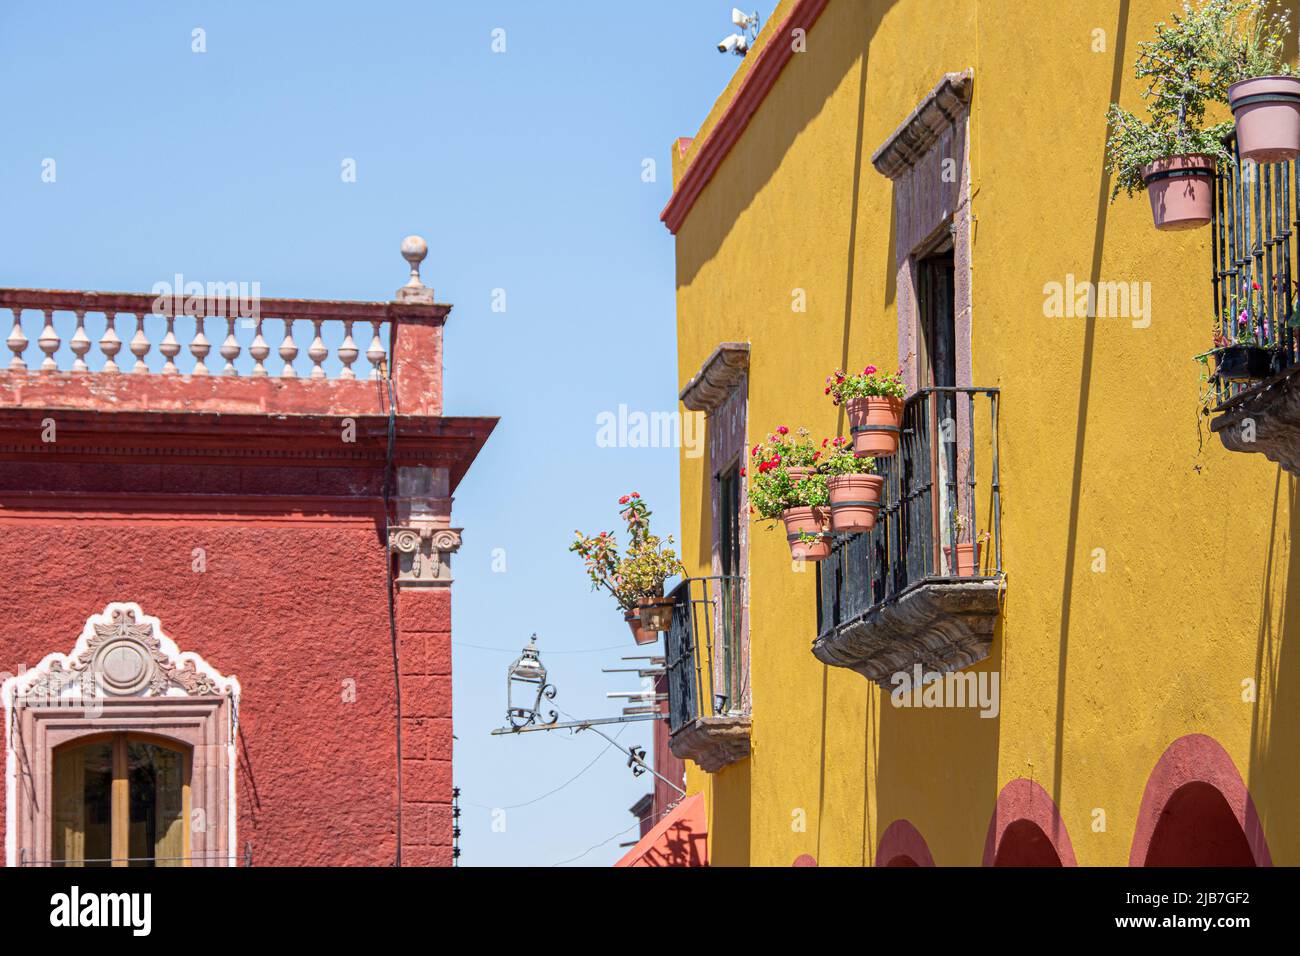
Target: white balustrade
x: 242, y: 337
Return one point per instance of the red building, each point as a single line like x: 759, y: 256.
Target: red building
x: 229, y: 589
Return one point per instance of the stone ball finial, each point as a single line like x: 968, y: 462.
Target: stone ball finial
x: 414, y: 249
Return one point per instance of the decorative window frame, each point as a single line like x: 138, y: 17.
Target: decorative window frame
x: 124, y: 674
x: 720, y: 389
x: 928, y: 159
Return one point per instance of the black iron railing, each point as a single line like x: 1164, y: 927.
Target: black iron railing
x: 705, y: 667
x: 930, y: 501
x: 1254, y: 270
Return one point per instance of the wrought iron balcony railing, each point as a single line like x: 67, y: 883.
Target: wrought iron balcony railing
x: 706, y: 674
x: 1255, y: 384
x: 930, y: 503
x: 1254, y: 269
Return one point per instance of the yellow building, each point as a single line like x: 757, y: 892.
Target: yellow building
x: 920, y: 183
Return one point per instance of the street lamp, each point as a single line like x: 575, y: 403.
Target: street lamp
x: 527, y: 673
x: 524, y: 674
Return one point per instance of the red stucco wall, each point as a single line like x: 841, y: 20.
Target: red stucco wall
x: 293, y: 606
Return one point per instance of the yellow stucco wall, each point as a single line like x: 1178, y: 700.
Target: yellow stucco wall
x: 1099, y: 672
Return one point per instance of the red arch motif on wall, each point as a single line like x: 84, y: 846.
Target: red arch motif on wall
x: 1026, y: 815
x: 902, y: 845
x: 1186, y: 767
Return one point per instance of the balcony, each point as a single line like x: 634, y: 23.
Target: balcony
x: 1254, y: 387
x: 900, y: 595
x: 213, y: 391
x: 708, y: 693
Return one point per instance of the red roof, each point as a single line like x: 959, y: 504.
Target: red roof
x: 679, y: 839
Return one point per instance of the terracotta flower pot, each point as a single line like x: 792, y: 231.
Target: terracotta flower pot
x: 1267, y: 112
x: 968, y: 559
x: 640, y: 633
x: 813, y: 521
x: 855, y: 501
x: 799, y: 472
x: 1181, y: 190
x: 656, y: 613
x: 876, y: 424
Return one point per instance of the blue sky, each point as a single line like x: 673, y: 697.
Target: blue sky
x: 523, y: 170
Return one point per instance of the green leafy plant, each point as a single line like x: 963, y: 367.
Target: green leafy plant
x: 812, y: 491
x: 772, y: 489
x: 1187, y: 67
x: 838, y: 459
x: 648, y: 564
x: 961, y: 523
x: 871, y: 382
x: 640, y: 572
x: 1256, y: 46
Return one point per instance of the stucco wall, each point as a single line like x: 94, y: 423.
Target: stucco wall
x: 1100, y: 672
x: 294, y: 606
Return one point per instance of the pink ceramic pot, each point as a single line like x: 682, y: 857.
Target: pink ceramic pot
x: 876, y: 424
x: 813, y: 521
x: 1267, y: 111
x: 640, y: 633
x: 1181, y: 190
x: 855, y: 501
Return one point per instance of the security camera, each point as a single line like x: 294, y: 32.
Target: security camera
x: 739, y: 43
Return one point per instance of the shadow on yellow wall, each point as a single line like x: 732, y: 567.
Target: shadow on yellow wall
x: 1275, y: 724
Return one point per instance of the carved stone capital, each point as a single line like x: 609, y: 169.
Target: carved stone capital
x: 424, y: 553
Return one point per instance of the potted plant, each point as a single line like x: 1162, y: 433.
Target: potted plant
x: 635, y: 579
x: 853, y: 489
x: 1173, y: 154
x: 1244, y: 347
x: 968, y: 552
x: 799, y: 499
x: 1261, y: 90
x: 874, y: 402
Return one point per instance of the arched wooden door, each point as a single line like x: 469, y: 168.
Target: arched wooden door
x: 120, y: 799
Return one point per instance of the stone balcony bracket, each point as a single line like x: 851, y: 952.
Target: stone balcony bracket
x: 712, y: 742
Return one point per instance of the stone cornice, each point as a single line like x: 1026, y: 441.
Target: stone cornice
x: 178, y: 437
x: 718, y: 376
x: 941, y: 107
